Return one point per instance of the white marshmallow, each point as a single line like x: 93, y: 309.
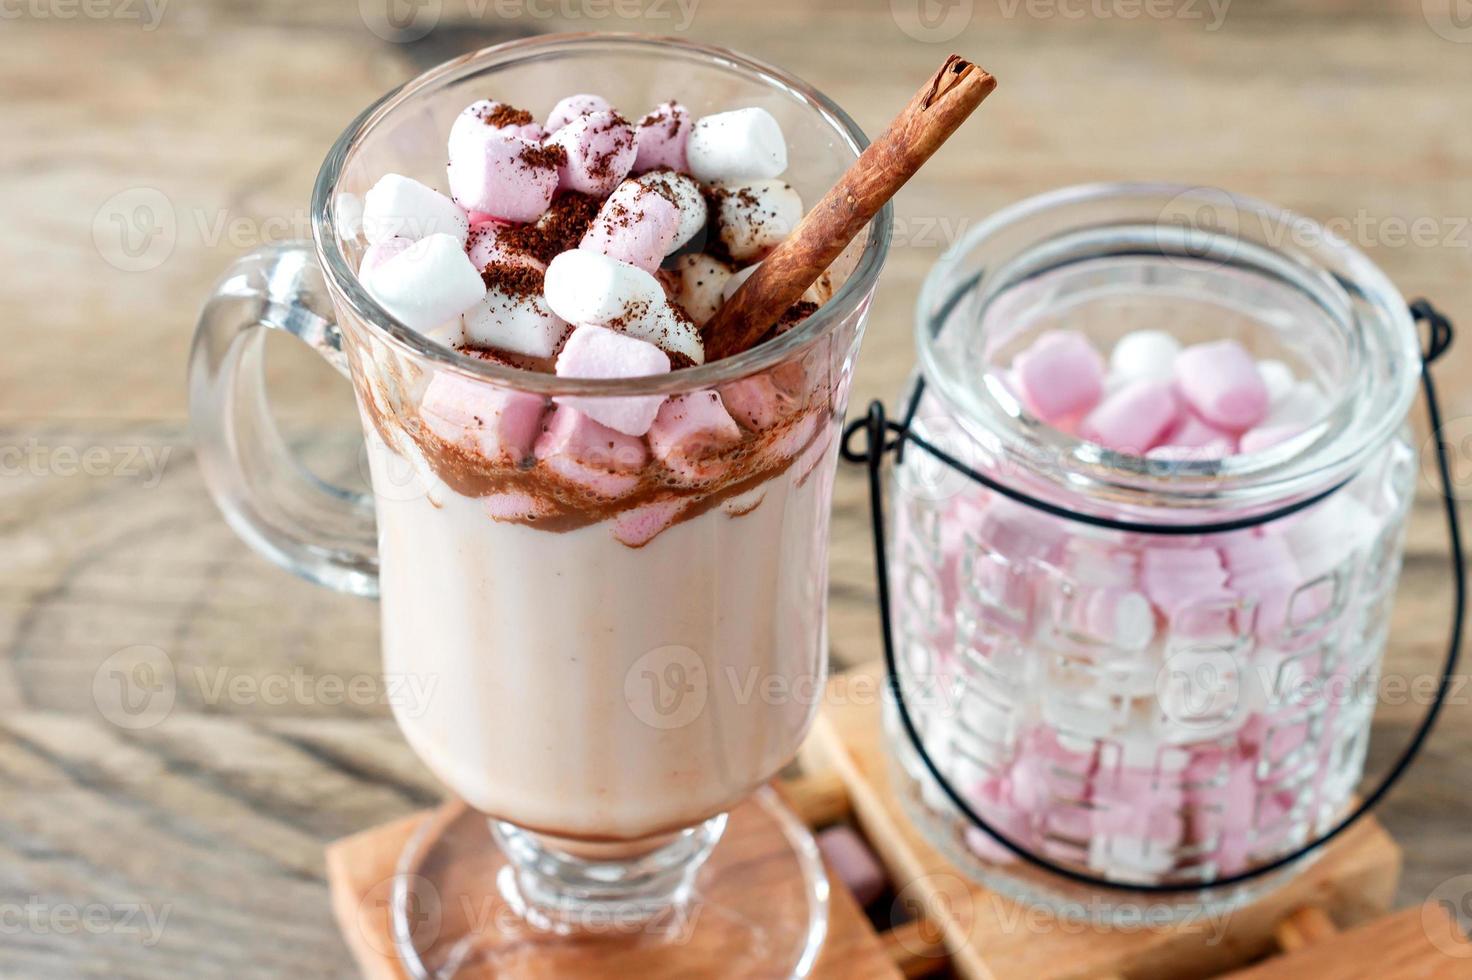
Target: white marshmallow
x: 1301, y: 406
x: 757, y: 215
x: 1277, y: 377
x: 669, y: 329
x: 1144, y: 355
x: 402, y: 206
x: 427, y: 284
x: 744, y: 144
x: 689, y: 202
x: 519, y: 324
x: 697, y: 282
x: 583, y: 286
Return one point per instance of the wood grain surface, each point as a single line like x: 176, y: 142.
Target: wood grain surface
x: 183, y: 727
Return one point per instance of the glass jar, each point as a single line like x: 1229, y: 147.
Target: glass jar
x: 1161, y: 708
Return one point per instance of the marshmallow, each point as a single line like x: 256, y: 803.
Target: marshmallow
x: 1263, y: 568
x: 597, y: 352
x: 662, y: 136
x: 690, y: 432
x: 637, y: 526
x: 1176, y: 578
x: 853, y: 863
x: 758, y: 402
x: 1144, y: 355
x: 695, y: 282
x: 1220, y: 381
x: 486, y: 247
x: 1120, y: 618
x: 1193, y: 439
x: 1265, y: 437
x: 603, y: 461
x: 753, y: 217
x: 574, y: 106
x: 1302, y: 405
x: 496, y: 423
x: 1059, y: 376
x: 744, y: 144
x: 484, y: 115
x: 669, y: 328
x: 503, y: 175
x: 1132, y: 419
x: 380, y: 252
x: 635, y: 225
x: 1277, y: 377
x: 584, y: 286
x: 685, y: 194
x: 403, y: 207
x: 427, y: 283
x: 599, y: 149
x: 513, y: 316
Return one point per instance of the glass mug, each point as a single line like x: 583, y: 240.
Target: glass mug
x: 589, y: 660
x: 1149, y: 708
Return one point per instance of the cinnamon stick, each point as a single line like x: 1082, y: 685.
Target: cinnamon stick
x: 935, y: 112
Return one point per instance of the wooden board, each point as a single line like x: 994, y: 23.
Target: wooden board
x: 991, y: 937
x: 1413, y: 944
x: 360, y: 872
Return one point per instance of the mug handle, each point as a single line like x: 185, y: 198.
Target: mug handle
x: 320, y: 532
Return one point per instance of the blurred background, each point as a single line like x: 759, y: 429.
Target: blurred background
x: 183, y: 726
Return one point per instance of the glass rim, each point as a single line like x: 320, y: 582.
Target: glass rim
x: 343, y: 281
x: 1280, y: 472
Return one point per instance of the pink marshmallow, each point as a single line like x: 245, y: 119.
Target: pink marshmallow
x: 1266, y: 436
x: 1060, y: 375
x: 662, y: 138
x: 637, y: 225
x: 1221, y: 382
x: 574, y: 106
x: 757, y: 402
x: 515, y: 506
x: 853, y: 862
x: 485, y: 248
x: 598, y: 352
x: 1133, y: 419
x: 497, y: 423
x: 1263, y: 568
x: 599, y: 149
x: 689, y: 433
x: 502, y: 175
x: 380, y: 252
x: 638, y: 526
x: 593, y: 456
x: 1177, y: 578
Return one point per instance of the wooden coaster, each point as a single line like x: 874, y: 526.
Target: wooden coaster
x: 990, y: 937
x: 360, y: 872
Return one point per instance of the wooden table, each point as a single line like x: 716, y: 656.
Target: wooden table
x: 214, y: 819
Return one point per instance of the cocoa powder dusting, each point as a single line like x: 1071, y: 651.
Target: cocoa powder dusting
x: 506, y: 115
x: 556, y: 231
